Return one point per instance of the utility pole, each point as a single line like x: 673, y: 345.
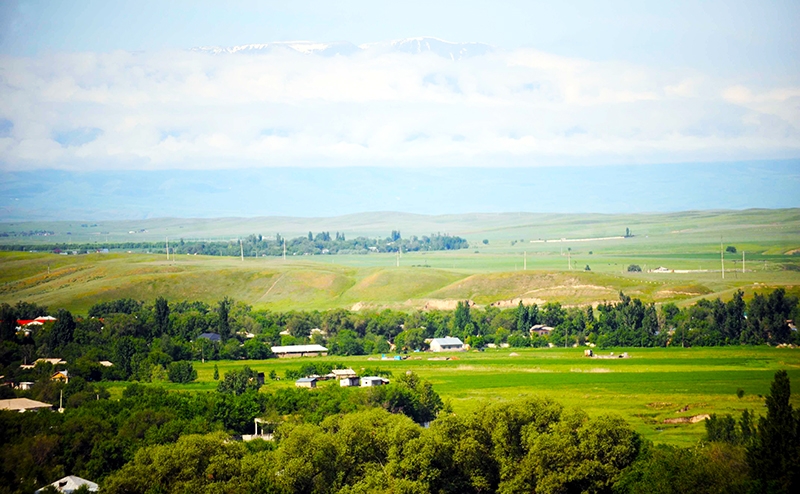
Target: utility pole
x: 241, y: 248
x: 722, y: 257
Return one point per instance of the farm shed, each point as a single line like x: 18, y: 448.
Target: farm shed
x: 300, y: 351
x: 210, y: 336
x: 306, y: 382
x: 448, y: 344
x: 373, y: 381
x: 347, y: 382
x: 343, y: 373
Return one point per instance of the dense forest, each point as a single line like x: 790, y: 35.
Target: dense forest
x: 395, y: 438
x: 258, y: 245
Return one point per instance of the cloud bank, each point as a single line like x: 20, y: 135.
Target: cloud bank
x: 413, y: 103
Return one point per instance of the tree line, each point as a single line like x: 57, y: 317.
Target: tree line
x: 143, y: 340
x: 258, y: 245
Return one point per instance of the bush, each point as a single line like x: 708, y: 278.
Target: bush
x: 634, y: 268
x: 181, y: 372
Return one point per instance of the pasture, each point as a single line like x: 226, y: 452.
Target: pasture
x: 515, y: 263
x: 653, y: 385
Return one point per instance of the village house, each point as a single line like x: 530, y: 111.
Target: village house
x: 448, y: 344
x: 62, y: 376
x: 214, y: 337
x: 541, y: 330
x: 300, y: 351
x: 53, y: 361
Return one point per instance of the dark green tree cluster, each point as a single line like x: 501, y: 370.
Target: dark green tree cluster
x: 525, y: 446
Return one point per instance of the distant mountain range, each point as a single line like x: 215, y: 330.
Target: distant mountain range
x: 442, y: 48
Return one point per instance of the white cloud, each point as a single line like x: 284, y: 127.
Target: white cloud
x: 190, y: 109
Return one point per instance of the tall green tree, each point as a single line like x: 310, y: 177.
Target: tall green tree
x: 63, y: 329
x: 161, y: 309
x: 223, y: 318
x: 774, y: 457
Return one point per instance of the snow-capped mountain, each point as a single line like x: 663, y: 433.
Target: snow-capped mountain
x: 447, y: 49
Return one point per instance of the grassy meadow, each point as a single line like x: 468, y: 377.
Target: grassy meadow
x: 652, y: 385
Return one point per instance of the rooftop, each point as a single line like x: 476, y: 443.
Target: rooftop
x: 450, y: 340
x: 299, y: 349
x: 23, y: 404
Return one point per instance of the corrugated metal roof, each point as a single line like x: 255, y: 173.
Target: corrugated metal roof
x: 306, y: 379
x: 299, y: 349
x: 447, y: 341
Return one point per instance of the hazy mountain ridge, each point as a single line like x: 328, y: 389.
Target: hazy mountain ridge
x: 417, y: 45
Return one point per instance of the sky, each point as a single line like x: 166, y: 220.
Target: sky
x: 90, y: 89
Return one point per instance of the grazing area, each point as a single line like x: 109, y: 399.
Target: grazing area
x: 651, y: 387
x: 570, y: 259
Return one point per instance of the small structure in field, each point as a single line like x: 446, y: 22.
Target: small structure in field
x: 306, y: 382
x: 349, y: 382
x: 588, y: 353
x: 300, y: 351
x: 343, y: 373
x: 23, y: 405
x: 70, y: 484
x: 448, y: 344
x: 541, y: 330
x: 369, y: 381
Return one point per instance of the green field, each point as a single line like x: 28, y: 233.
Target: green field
x: 647, y: 388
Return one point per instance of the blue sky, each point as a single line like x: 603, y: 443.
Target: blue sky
x: 89, y: 88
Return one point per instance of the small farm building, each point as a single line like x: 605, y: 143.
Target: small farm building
x: 210, y: 336
x: 342, y: 373
x: 306, y: 382
x: 347, y: 382
x: 448, y: 344
x: 300, y: 351
x: 373, y: 381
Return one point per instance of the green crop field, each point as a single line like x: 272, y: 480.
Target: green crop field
x: 653, y: 385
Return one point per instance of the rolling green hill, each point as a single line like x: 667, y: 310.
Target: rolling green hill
x: 515, y: 262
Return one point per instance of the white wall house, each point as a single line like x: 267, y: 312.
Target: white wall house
x: 448, y: 344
